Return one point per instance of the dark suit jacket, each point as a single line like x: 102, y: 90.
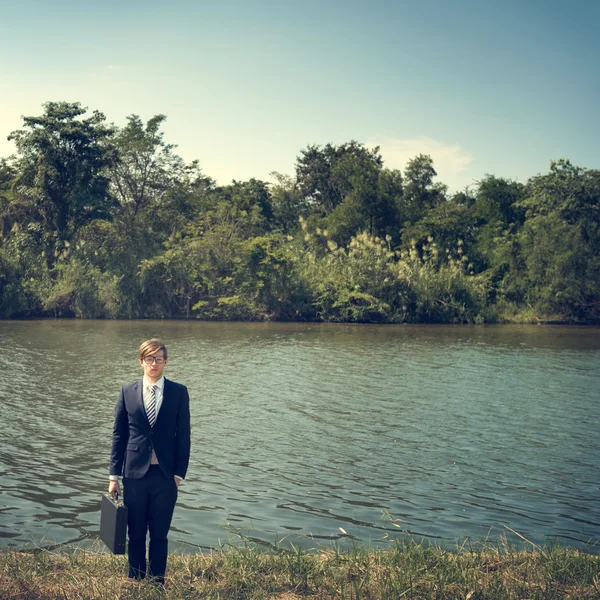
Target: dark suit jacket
x: 133, y: 438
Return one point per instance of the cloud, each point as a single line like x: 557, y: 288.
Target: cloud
x: 113, y: 68
x: 449, y: 160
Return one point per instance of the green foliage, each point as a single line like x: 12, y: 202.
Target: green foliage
x: 420, y: 192
x: 571, y: 192
x: 288, y: 203
x: 80, y: 290
x: 498, y: 200
x: 560, y: 271
x: 450, y: 224
x: 444, y: 290
x: 24, y: 274
x: 351, y: 283
x: 324, y: 174
x: 247, y: 196
x: 347, y: 190
x: 99, y: 221
x: 222, y: 269
x: 13, y: 300
x: 554, y: 266
x: 62, y: 169
x: 145, y: 172
x: 368, y: 282
x: 390, y: 193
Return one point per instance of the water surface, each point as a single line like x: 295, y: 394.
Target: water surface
x: 301, y: 431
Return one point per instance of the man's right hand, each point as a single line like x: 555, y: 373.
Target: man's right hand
x: 114, y: 488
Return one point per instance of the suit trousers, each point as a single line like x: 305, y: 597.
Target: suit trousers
x: 150, y: 504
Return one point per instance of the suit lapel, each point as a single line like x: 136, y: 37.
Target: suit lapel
x: 164, y: 405
x: 139, y: 398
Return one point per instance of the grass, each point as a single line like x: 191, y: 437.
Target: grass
x: 408, y: 570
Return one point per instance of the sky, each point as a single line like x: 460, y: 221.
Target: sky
x: 496, y: 88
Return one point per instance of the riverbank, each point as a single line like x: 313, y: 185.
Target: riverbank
x: 409, y: 570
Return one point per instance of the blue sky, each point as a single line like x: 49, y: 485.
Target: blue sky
x: 484, y: 87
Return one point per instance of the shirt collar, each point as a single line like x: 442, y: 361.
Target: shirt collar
x: 160, y: 383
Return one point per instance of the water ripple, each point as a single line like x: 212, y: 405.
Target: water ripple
x: 300, y: 430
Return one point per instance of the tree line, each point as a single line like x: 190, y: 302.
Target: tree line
x: 100, y: 221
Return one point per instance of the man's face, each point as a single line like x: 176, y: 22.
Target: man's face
x: 153, y: 369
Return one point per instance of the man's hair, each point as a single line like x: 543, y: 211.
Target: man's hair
x: 150, y: 347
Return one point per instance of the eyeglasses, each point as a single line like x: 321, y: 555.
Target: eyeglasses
x: 149, y: 360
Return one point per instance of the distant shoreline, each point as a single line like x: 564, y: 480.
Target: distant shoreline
x: 308, y: 322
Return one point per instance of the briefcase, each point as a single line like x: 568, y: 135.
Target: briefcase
x: 113, y: 523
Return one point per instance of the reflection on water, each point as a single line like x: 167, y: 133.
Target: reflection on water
x: 301, y: 429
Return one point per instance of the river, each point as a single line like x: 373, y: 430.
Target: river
x: 315, y: 434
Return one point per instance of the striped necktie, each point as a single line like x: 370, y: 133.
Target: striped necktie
x: 151, y: 409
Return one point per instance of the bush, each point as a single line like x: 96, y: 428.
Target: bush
x: 82, y: 291
x: 368, y: 282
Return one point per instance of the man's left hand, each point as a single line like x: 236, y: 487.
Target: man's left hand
x: 177, y: 481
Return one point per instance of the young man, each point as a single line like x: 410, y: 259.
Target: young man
x: 151, y: 449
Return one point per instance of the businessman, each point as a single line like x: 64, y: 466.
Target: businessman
x: 151, y: 450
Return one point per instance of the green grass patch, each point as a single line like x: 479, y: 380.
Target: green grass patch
x: 403, y: 570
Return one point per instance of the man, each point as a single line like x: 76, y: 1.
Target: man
x: 151, y: 449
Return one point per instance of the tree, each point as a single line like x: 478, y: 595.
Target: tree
x: 356, y: 177
x: 347, y: 187
x: 323, y: 174
x: 146, y: 170
x: 498, y: 215
x: 420, y: 193
x: 223, y: 268
x: 558, y: 272
x: 8, y: 175
x: 390, y: 190
x: 570, y: 191
x: 62, y: 170
x: 497, y: 201
x: 247, y: 197
x: 451, y: 227
x: 287, y: 202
